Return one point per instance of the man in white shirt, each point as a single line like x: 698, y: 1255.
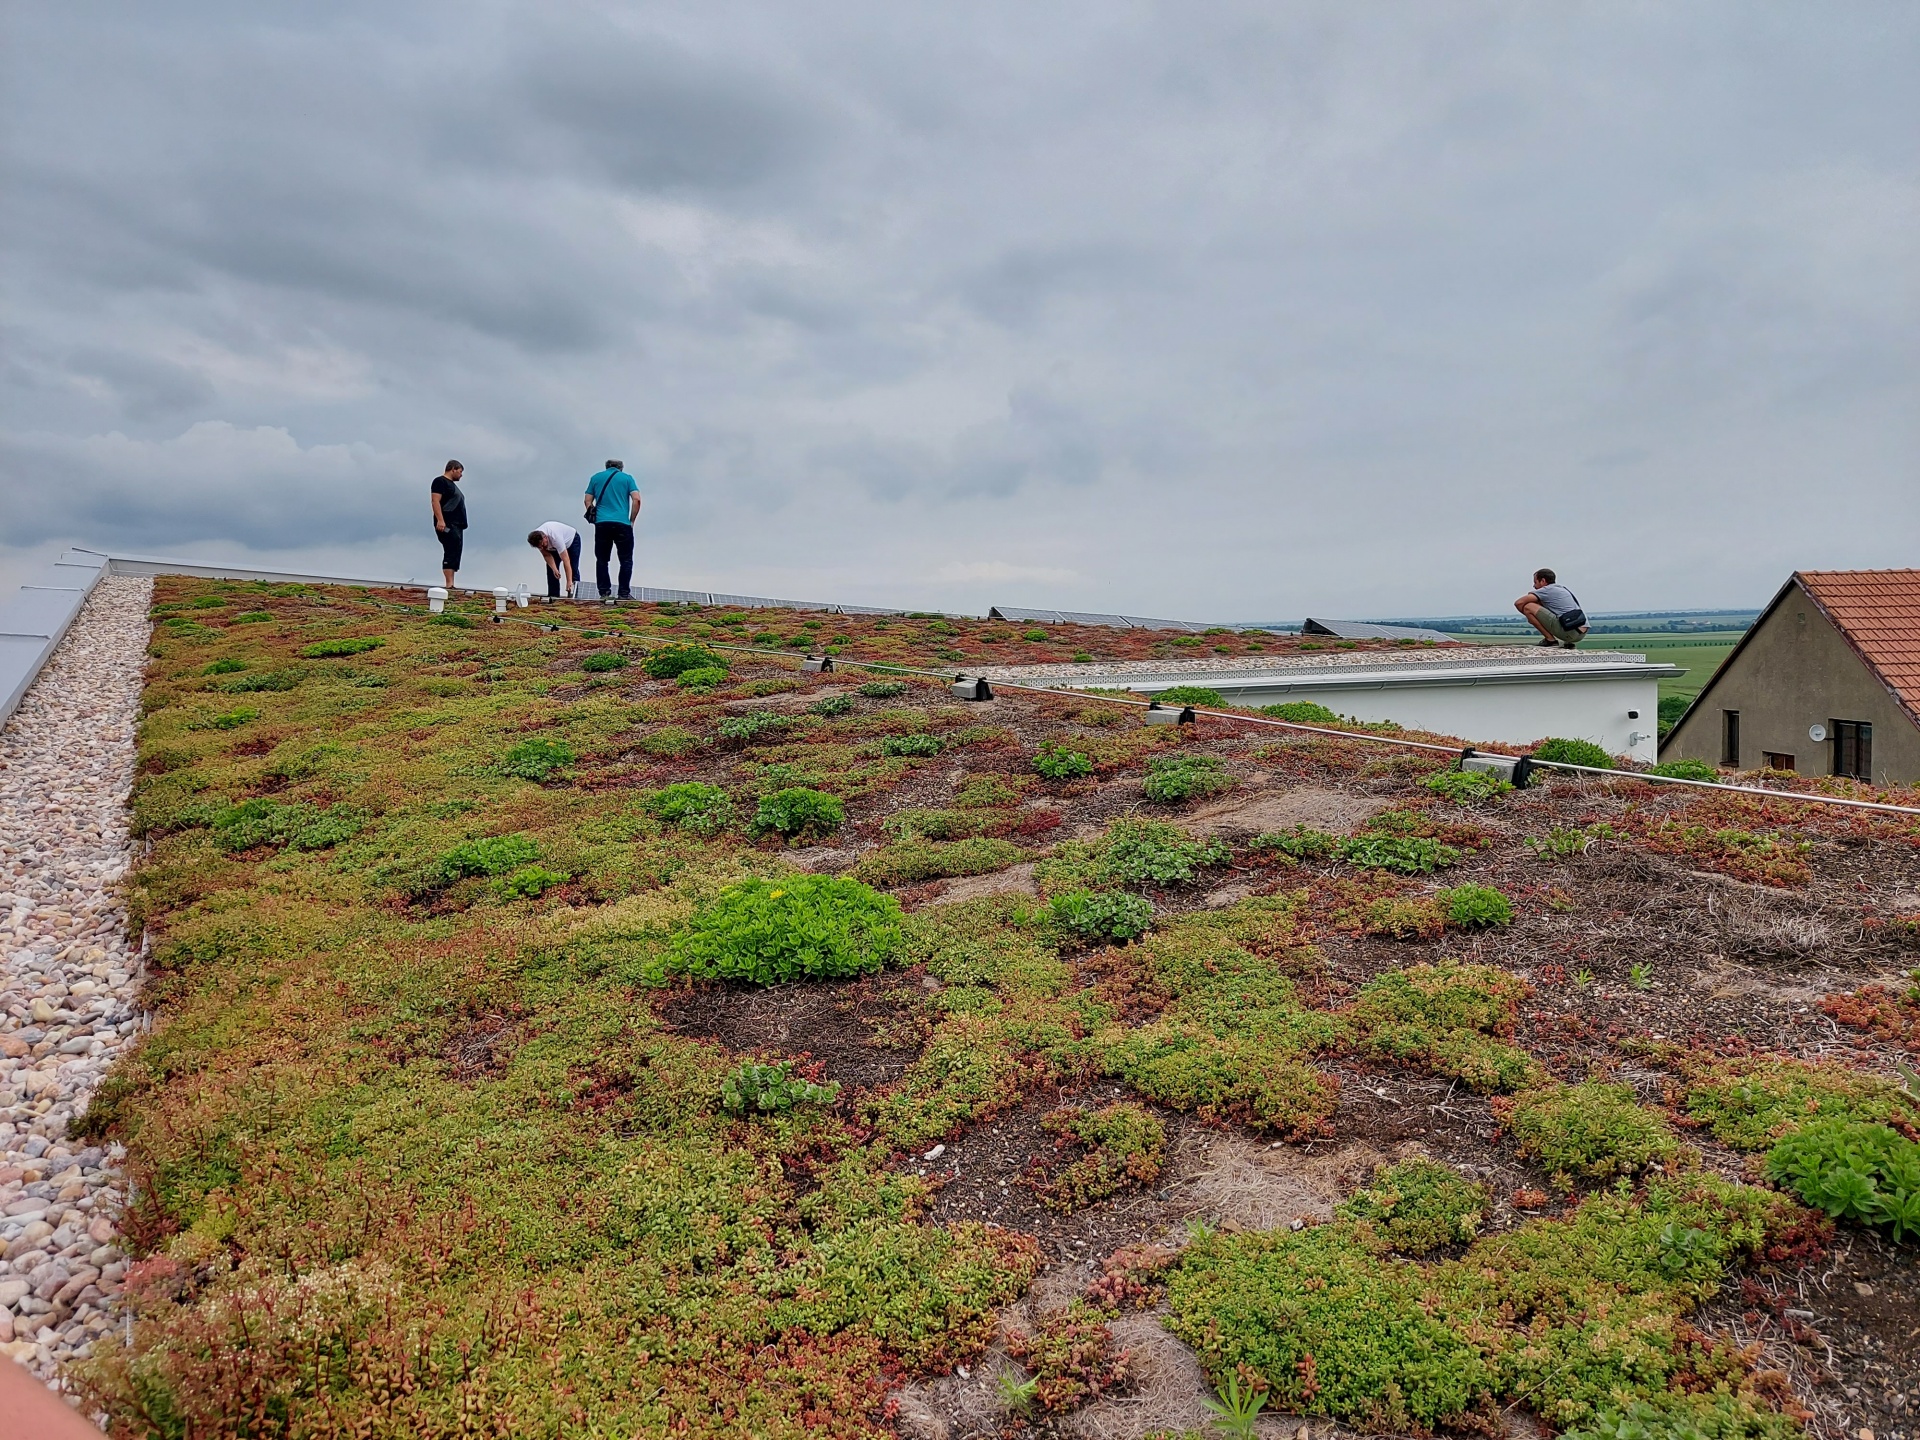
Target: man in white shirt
x: 1553, y: 610
x: 559, y: 546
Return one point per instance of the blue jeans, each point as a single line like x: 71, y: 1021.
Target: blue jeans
x: 553, y: 577
x: 608, y: 536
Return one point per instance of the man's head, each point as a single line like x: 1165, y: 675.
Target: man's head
x: 455, y: 470
x: 615, y: 465
x: 1544, y: 577
x: 537, y: 540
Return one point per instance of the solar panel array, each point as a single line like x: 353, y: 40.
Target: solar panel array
x: 1081, y: 617
x: 1368, y: 630
x: 587, y: 590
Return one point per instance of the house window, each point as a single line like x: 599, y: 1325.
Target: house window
x: 1778, y: 761
x: 1730, y: 738
x: 1853, y: 749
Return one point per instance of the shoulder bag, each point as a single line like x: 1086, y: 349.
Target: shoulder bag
x: 593, y: 499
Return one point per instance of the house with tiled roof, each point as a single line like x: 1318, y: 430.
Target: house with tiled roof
x: 1827, y: 682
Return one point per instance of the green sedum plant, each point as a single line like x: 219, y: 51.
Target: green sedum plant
x: 328, y: 649
x: 1298, y: 842
x: 1302, y: 712
x: 919, y: 746
x: 1056, y: 761
x: 1466, y: 787
x: 692, y: 805
x: 602, y: 661
x: 1103, y: 914
x: 883, y: 689
x: 1191, y: 695
x: 1686, y: 1417
x: 1172, y: 778
x: 798, y: 812
x: 529, y: 882
x: 1408, y: 854
x: 1418, y: 1205
x: 1136, y: 852
x: 913, y: 860
x: 297, y: 826
x: 1684, y: 770
x: 1591, y: 1130
x: 756, y: 1088
x: 1573, y: 752
x: 702, y: 678
x: 495, y: 855
x: 1474, y: 907
x: 537, y: 758
x: 831, y: 706
x: 671, y: 661
x: 801, y: 927
x: 741, y: 728
x: 1752, y: 1101
x: 1866, y: 1173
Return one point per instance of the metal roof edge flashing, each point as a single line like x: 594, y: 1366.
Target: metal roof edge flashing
x: 35, y: 619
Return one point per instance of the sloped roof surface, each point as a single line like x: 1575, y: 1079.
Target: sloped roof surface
x: 1081, y: 617
x: 1878, y: 611
x: 1368, y: 630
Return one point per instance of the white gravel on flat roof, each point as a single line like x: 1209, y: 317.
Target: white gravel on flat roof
x: 70, y: 978
x: 1444, y: 656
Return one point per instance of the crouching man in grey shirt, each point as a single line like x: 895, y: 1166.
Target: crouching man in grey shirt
x: 1553, y: 610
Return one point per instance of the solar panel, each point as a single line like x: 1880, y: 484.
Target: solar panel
x: 672, y: 597
x: 1368, y: 630
x: 1086, y: 617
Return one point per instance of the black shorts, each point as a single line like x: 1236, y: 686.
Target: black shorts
x: 452, y: 541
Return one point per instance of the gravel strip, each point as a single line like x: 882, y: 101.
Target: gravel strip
x: 67, y: 991
x: 1440, y: 657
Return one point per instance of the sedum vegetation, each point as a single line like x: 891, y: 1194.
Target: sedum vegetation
x: 430, y: 839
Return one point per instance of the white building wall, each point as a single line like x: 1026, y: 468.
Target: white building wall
x: 1512, y: 712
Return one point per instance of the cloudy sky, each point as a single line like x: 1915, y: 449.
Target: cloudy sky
x: 1220, y: 311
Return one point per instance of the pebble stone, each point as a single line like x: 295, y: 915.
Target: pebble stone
x: 67, y: 991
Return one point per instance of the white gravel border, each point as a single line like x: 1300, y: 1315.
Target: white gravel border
x: 67, y: 990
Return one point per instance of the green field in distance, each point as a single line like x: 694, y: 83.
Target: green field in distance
x: 1699, y: 653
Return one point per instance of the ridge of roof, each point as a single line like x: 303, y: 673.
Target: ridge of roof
x: 1877, y: 613
x: 1842, y: 586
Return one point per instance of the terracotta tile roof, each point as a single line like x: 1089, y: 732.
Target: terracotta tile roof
x: 1878, y: 611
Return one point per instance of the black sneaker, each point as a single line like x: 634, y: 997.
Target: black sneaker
x: 1546, y: 644
x: 1571, y: 644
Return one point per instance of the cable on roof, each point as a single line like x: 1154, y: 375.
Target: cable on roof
x: 1267, y: 720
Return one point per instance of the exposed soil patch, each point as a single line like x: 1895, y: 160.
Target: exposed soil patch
x: 865, y: 1031
x: 481, y: 1048
x: 981, y: 1176
x: 1014, y: 880
x: 1336, y: 811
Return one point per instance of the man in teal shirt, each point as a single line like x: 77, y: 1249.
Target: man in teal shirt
x: 613, y: 504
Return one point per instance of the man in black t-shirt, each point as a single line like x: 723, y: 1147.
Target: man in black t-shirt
x: 450, y: 518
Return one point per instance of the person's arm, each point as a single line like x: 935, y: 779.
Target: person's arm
x: 547, y: 554
x: 1525, y: 600
x: 439, y: 520
x: 567, y: 577
x: 633, y: 507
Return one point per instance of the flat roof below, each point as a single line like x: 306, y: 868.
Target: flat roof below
x: 1369, y: 667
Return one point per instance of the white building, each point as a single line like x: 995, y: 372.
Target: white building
x: 1487, y: 693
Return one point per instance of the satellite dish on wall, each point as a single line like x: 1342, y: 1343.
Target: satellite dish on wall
x: 1816, y: 733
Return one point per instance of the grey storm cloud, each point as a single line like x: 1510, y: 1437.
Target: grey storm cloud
x: 1229, y: 311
